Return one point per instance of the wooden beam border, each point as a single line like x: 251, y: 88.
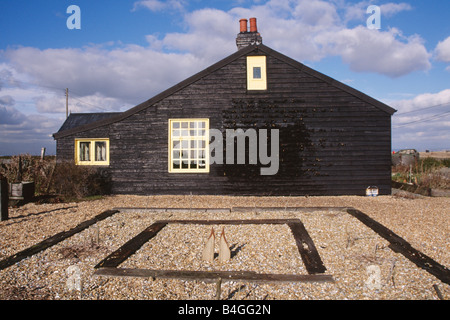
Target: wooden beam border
x: 307, y: 249
x: 131, y: 246
x: 400, y: 245
x: 232, y: 209
x: 213, y: 276
x: 305, y: 245
x: 49, y: 242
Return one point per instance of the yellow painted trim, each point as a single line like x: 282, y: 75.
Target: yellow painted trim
x: 204, y: 138
x: 252, y: 83
x: 92, y: 161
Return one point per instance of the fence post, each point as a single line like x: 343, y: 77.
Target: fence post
x: 4, y: 199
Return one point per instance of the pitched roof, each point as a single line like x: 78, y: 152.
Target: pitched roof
x: 76, y: 120
x: 115, y: 117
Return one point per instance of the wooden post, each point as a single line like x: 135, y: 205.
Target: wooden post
x: 4, y: 199
x: 218, y: 288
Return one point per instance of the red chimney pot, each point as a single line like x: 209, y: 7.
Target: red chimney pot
x: 253, y: 27
x: 243, y: 23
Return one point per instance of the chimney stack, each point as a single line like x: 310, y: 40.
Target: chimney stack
x: 243, y: 24
x: 245, y: 37
x: 253, y: 27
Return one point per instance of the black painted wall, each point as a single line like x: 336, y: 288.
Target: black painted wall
x: 332, y: 142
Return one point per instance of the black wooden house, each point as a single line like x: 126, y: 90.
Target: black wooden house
x: 331, y: 139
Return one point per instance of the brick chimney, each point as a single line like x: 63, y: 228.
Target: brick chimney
x: 245, y: 37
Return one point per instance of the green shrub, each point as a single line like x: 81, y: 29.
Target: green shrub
x: 75, y: 182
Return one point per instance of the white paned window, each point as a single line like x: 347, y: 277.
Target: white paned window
x: 92, y: 152
x: 188, y: 145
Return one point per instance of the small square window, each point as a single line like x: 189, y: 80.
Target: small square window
x: 256, y: 72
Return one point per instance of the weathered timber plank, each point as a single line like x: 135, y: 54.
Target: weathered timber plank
x: 307, y: 249
x: 212, y: 276
x: 47, y: 243
x: 130, y: 247
x: 232, y: 222
x: 400, y: 245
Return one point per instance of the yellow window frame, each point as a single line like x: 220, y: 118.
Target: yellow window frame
x: 91, y: 151
x: 256, y: 83
x: 188, y: 145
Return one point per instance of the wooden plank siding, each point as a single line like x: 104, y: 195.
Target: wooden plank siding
x: 332, y: 141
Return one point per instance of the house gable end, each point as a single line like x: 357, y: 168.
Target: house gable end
x: 251, y: 49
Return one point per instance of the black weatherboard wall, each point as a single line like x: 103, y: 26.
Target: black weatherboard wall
x: 334, y: 140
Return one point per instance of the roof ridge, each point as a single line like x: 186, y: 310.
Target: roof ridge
x: 244, y: 51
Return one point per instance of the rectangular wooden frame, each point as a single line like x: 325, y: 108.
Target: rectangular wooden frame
x: 305, y: 245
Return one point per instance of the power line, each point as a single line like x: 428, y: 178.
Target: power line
x: 431, y: 118
x: 55, y: 88
x: 89, y: 104
x: 426, y: 108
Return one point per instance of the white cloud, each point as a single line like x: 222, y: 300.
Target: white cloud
x: 423, y: 101
x: 307, y: 30
x: 21, y: 133
x: 442, y: 50
x: 33, y: 130
x: 358, y: 11
x: 156, y: 5
x: 132, y: 73
x: 381, y: 52
x: 315, y: 12
x: 391, y: 9
x: 422, y: 122
x: 211, y: 35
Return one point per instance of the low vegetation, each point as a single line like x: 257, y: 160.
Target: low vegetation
x: 63, y: 182
x: 426, y: 173
x: 69, y: 182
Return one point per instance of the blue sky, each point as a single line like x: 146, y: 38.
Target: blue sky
x: 128, y: 51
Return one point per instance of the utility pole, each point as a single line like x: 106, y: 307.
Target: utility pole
x: 67, y: 103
